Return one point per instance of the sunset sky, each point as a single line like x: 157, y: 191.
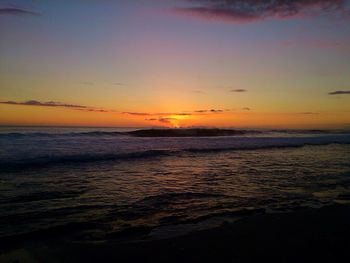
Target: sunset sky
x: 175, y: 63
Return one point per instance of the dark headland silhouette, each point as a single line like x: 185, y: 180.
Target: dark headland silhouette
x: 190, y: 132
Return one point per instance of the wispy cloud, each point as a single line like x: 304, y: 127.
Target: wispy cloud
x: 167, y: 120
x: 238, y: 90
x: 216, y: 14
x: 87, y: 83
x: 198, y: 91
x: 136, y: 113
x: 244, y: 11
x: 176, y: 113
x: 56, y: 104
x: 151, y: 116
x: 118, y: 84
x: 167, y: 117
x: 308, y: 113
x: 17, y: 12
x: 96, y: 110
x: 339, y: 92
x: 156, y: 113
x: 43, y: 104
x: 209, y: 111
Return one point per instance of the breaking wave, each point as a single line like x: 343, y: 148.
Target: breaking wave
x: 70, y: 158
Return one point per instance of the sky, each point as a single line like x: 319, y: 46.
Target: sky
x: 175, y: 63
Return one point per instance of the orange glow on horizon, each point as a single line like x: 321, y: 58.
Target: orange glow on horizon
x: 31, y: 115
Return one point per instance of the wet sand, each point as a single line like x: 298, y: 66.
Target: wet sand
x: 312, y: 235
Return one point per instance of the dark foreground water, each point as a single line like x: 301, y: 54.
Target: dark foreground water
x: 104, y: 184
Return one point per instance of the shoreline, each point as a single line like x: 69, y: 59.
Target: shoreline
x: 310, y: 235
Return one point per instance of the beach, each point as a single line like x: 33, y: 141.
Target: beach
x: 310, y: 235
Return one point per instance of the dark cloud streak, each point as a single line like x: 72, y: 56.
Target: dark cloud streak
x: 137, y: 113
x: 209, y: 111
x: 238, y: 90
x: 17, y: 12
x: 339, y: 92
x: 166, y: 120
x: 43, y: 104
x: 308, y: 113
x: 243, y: 11
x: 157, y: 113
x: 163, y: 119
x: 56, y: 104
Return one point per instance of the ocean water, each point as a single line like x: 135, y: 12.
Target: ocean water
x: 94, y: 184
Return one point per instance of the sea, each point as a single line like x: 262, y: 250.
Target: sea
x: 96, y: 184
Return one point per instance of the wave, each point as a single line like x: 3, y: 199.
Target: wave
x: 192, y: 132
x: 167, y: 198
x: 69, y: 134
x: 79, y: 158
x: 313, y: 131
x: 38, y: 196
x: 43, y: 161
